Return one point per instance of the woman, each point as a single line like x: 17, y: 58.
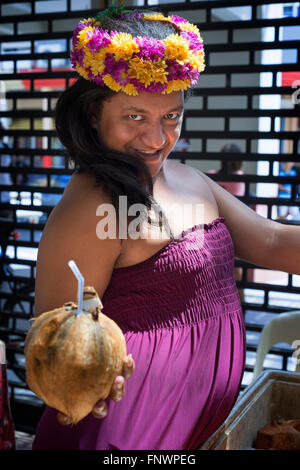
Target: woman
x: 173, y: 295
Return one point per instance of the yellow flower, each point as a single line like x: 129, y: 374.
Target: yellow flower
x: 88, y: 57
x: 84, y: 36
x: 87, y: 20
x: 177, y: 85
x: 111, y: 83
x: 190, y: 27
x: 177, y: 48
x: 147, y: 71
x: 97, y: 66
x: 82, y: 71
x: 156, y: 17
x: 130, y: 89
x: 122, y: 46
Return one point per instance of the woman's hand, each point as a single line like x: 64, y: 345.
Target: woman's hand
x: 116, y: 393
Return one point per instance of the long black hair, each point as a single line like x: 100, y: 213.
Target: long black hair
x: 118, y: 174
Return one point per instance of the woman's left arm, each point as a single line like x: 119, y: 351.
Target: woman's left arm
x: 258, y: 240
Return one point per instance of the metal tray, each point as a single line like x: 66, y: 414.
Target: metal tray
x: 273, y: 395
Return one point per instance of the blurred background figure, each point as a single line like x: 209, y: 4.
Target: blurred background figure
x: 5, y: 178
x: 20, y: 179
x: 285, y: 192
x: 234, y: 167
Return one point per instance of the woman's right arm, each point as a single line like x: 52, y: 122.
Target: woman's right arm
x: 70, y: 234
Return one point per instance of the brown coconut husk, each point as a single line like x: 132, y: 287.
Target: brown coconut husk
x: 72, y: 360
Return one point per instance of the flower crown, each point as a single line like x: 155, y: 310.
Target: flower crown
x: 137, y: 64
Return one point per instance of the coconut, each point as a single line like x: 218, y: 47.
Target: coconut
x: 72, y: 359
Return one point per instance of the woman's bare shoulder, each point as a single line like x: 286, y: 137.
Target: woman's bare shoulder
x: 77, y: 213
x: 83, y: 186
x: 184, y: 169
x: 80, y: 199
x: 191, y: 176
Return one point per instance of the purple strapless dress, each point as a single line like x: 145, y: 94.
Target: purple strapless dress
x: 182, y: 319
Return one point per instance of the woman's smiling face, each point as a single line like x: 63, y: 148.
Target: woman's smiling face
x: 147, y: 125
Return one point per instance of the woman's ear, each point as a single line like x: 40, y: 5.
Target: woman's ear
x: 93, y: 115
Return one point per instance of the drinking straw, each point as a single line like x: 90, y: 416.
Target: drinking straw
x: 80, y: 279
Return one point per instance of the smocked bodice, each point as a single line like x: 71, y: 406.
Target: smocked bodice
x: 186, y: 281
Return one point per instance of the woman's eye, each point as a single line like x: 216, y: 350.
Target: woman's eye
x: 172, y: 116
x: 135, y: 117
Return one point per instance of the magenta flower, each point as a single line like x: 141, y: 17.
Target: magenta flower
x: 154, y: 87
x: 77, y: 57
x: 129, y: 16
x: 79, y: 27
x: 177, y: 71
x: 150, y: 48
x: 178, y: 19
x: 99, y: 39
x: 96, y: 78
x: 193, y: 39
x: 116, y: 68
x: 193, y: 76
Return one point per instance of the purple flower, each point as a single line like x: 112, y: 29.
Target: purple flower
x: 150, y: 48
x: 79, y: 27
x: 110, y: 64
x: 181, y: 72
x: 133, y: 15
x: 73, y: 58
x: 193, y: 39
x: 178, y: 19
x: 96, y: 78
x: 154, y: 87
x: 116, y: 68
x: 177, y: 71
x: 99, y: 39
x: 193, y: 76
x: 77, y: 57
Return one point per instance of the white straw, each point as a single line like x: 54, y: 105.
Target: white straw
x: 80, y: 279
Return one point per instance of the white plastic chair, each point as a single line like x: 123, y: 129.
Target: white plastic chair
x: 284, y: 328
